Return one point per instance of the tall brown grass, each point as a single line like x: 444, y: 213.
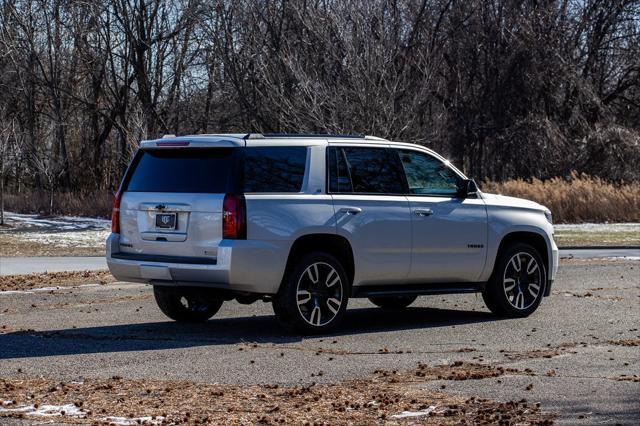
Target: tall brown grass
x: 578, y: 198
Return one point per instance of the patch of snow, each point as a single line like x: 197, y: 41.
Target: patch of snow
x: 57, y: 410
x: 57, y: 223
x: 21, y: 409
x: 133, y: 420
x: 406, y: 414
x: 7, y: 402
x: 587, y: 259
x: 624, y: 258
x: 46, y: 410
x: 60, y: 231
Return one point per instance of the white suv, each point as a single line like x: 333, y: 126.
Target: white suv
x: 308, y: 221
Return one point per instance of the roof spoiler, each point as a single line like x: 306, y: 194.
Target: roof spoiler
x: 305, y: 135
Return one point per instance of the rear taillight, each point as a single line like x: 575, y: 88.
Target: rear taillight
x: 115, y: 214
x: 234, y: 217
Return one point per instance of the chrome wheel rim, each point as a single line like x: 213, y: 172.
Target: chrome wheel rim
x: 319, y: 294
x: 522, y: 280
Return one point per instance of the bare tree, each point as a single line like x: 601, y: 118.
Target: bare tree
x: 505, y: 89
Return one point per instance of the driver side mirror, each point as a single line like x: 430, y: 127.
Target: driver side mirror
x: 468, y: 188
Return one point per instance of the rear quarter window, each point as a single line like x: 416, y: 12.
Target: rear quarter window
x: 274, y: 169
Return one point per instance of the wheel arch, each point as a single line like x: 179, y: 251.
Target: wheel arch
x: 336, y: 245
x: 535, y: 239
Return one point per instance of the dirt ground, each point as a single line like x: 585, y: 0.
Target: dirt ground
x: 385, y: 398
x: 53, y: 279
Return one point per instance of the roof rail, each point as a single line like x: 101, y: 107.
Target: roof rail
x: 304, y: 135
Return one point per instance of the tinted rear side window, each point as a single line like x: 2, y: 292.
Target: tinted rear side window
x: 193, y: 170
x: 371, y: 170
x: 274, y: 169
x: 339, y: 179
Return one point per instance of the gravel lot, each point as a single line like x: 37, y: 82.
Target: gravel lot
x: 578, y: 355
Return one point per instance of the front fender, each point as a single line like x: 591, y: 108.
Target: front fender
x: 503, y: 223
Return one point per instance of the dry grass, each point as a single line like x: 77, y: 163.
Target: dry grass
x: 611, y: 234
x: 374, y: 400
x: 53, y: 279
x: 15, y: 244
x: 93, y: 204
x: 577, y: 198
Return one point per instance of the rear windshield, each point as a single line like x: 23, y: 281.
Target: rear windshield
x: 215, y: 170
x: 183, y: 170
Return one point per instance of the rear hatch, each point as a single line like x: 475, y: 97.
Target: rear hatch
x: 172, y: 201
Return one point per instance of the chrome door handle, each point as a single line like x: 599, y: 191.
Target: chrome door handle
x: 423, y: 212
x: 350, y: 210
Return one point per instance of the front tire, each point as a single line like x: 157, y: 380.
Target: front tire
x: 185, y: 305
x: 314, y: 294
x: 393, y: 302
x: 517, y: 284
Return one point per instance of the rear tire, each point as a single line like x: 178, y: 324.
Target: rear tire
x: 184, y: 305
x: 314, y: 294
x: 393, y: 302
x: 517, y: 284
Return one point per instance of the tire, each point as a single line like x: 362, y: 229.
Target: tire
x: 185, y: 305
x: 393, y: 302
x: 314, y: 294
x: 517, y: 284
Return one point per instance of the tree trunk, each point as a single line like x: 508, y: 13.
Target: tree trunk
x: 2, y: 193
x: 51, y: 200
x: 2, y: 183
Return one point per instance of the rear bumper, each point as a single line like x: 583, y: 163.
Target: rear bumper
x: 241, y: 265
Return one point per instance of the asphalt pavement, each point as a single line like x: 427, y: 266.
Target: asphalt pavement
x: 578, y: 355
x: 594, y: 253
x: 30, y: 265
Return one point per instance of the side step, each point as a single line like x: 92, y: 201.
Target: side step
x: 416, y: 289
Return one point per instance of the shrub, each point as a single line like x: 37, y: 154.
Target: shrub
x: 578, y: 198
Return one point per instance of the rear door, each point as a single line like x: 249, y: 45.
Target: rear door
x: 366, y: 185
x: 172, y: 200
x: 449, y: 233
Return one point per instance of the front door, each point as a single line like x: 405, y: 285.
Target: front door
x: 367, y: 187
x: 449, y: 233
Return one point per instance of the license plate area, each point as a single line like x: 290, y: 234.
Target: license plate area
x: 166, y: 220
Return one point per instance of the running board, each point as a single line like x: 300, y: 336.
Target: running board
x: 416, y: 289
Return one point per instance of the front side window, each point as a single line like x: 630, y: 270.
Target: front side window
x: 427, y: 175
x: 274, y: 169
x: 362, y: 170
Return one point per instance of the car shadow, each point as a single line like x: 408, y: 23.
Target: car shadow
x: 255, y: 329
